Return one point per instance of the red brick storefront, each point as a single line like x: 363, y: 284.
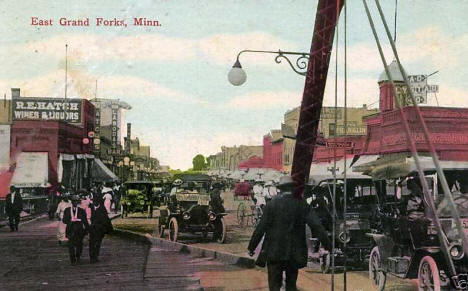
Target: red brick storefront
x: 54, y: 137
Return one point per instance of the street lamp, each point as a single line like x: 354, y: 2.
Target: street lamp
x: 237, y: 75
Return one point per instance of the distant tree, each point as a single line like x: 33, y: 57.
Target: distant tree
x: 174, y: 172
x: 199, y: 163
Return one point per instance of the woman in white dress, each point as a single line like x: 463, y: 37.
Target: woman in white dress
x: 107, y: 198
x: 84, y: 204
x: 61, y: 227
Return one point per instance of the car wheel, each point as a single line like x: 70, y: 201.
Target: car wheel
x: 376, y: 274
x: 428, y: 275
x: 173, y: 229
x: 219, y: 233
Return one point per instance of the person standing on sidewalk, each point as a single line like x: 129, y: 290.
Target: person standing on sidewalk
x: 100, y: 226
x: 61, y: 227
x: 107, y: 196
x: 13, y: 208
x: 85, y: 197
x: 77, y: 227
x: 283, y: 225
x: 117, y: 196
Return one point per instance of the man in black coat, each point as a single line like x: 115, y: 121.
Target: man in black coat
x: 283, y: 224
x: 13, y: 208
x: 100, y: 226
x: 77, y: 227
x: 216, y: 202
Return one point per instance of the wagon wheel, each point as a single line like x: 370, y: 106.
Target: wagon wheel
x: 325, y: 263
x: 173, y: 229
x: 428, y: 275
x: 219, y: 233
x: 376, y: 274
x: 242, y: 215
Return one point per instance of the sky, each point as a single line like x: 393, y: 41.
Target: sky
x: 175, y: 76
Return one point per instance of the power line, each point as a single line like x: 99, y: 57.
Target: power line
x: 395, y: 21
x: 66, y: 69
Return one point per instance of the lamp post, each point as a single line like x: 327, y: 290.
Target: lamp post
x: 237, y: 75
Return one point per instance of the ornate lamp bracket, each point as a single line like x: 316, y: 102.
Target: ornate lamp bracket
x: 298, y: 61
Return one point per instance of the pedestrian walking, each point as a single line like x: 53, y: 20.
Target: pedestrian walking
x: 100, y: 226
x: 258, y: 196
x: 107, y: 196
x: 216, y: 202
x: 283, y: 224
x: 271, y: 189
x: 61, y: 227
x: 13, y: 208
x: 52, y: 203
x: 77, y: 228
x: 117, y: 196
x: 85, y: 198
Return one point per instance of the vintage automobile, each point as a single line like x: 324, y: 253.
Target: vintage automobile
x: 137, y: 197
x: 193, y: 207
x: 408, y: 243
x: 359, y: 219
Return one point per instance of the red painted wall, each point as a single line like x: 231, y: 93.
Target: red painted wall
x: 272, y: 154
x: 53, y: 137
x: 252, y: 162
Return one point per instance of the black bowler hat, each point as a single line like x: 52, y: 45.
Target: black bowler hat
x: 285, y: 182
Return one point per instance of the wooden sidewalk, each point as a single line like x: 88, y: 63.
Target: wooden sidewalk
x: 32, y: 259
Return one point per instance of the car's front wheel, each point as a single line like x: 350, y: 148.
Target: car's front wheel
x: 173, y: 229
x: 376, y: 274
x: 428, y: 275
x: 220, y: 230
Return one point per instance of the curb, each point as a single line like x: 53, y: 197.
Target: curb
x: 24, y: 220
x: 224, y: 257
x: 117, y: 215
x: 227, y: 258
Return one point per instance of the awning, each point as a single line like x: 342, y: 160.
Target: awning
x: 101, y: 173
x: 323, y: 171
x: 395, y: 166
x: 32, y: 170
x: 363, y: 159
x: 4, y: 148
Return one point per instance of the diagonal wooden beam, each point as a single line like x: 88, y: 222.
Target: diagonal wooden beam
x: 322, y: 42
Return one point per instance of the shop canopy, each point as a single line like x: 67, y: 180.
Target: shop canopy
x: 395, y: 166
x: 236, y: 175
x: 323, y: 171
x: 32, y: 170
x: 101, y: 173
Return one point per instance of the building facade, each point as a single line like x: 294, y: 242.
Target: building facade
x: 110, y: 128
x: 273, y: 150
x: 327, y: 128
x: 230, y: 157
x: 49, y: 141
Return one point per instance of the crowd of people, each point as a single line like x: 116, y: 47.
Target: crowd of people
x: 110, y: 192
x: 79, y: 213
